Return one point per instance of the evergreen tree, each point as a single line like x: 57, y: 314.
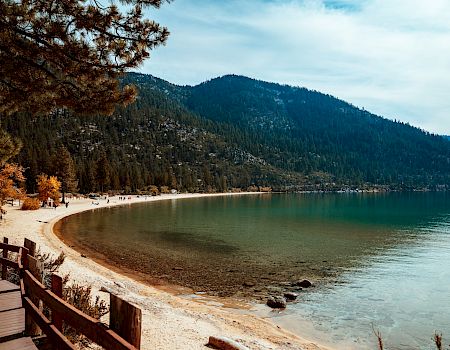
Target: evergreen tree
x: 9, y: 147
x: 103, y: 172
x: 70, y: 53
x: 64, y: 169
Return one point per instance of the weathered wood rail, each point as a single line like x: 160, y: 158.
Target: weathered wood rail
x: 46, y: 328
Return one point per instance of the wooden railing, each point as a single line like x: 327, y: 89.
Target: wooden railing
x: 123, y: 333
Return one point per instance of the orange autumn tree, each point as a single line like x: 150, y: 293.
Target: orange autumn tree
x: 11, y: 179
x: 48, y: 187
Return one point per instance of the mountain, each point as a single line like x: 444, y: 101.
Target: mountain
x: 235, y: 131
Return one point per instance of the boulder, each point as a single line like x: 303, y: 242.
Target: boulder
x: 290, y: 296
x: 276, y: 303
x: 248, y: 284
x: 304, y: 284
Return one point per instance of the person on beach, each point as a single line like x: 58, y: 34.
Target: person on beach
x: 67, y: 204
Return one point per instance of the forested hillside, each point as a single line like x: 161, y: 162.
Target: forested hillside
x: 232, y: 132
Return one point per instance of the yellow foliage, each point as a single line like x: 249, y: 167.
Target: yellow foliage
x: 11, y: 176
x: 31, y: 204
x: 48, y: 187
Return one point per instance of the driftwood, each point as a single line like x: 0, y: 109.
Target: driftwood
x: 223, y: 343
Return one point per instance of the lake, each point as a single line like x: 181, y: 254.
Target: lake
x: 376, y: 260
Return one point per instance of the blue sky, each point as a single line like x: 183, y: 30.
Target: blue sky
x: 391, y: 57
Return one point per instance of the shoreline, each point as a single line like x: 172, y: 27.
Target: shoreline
x: 169, y: 320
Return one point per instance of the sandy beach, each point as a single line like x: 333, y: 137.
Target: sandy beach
x: 169, y: 321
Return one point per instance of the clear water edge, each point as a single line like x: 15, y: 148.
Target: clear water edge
x: 392, y: 250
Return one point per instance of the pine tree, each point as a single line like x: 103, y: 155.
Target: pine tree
x: 64, y: 169
x: 103, y: 172
x: 70, y: 53
x: 9, y: 147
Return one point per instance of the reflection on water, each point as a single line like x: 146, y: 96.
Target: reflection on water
x: 381, y: 259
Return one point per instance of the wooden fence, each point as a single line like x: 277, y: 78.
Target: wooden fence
x: 123, y: 333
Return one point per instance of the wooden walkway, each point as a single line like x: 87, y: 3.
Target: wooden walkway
x: 12, y: 319
x: 24, y: 325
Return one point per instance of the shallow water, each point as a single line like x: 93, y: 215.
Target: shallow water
x: 381, y: 259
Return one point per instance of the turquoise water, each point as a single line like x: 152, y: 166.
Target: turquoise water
x: 377, y: 260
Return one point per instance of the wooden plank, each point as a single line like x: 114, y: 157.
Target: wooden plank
x: 58, y: 340
x: 9, y: 263
x: 88, y: 326
x: 11, y: 247
x: 57, y: 288
x: 5, y: 256
x: 6, y: 286
x: 12, y: 322
x: 125, y: 319
x: 20, y: 259
x: 30, y: 245
x: 11, y: 300
x: 19, y: 344
x: 36, y: 267
x: 23, y: 258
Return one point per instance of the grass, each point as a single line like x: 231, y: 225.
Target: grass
x: 437, y: 338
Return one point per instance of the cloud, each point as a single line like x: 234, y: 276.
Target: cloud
x: 390, y: 57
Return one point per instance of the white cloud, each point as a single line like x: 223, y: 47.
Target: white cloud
x: 390, y: 57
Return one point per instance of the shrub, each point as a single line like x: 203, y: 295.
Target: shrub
x: 76, y: 295
x: 252, y: 188
x: 81, y: 298
x: 165, y: 190
x: 31, y: 204
x: 154, y: 191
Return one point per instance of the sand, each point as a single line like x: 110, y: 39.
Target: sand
x: 170, y: 321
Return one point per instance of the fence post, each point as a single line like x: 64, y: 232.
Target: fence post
x: 57, y: 288
x: 5, y: 255
x: 125, y: 319
x: 36, y: 268
x: 31, y: 246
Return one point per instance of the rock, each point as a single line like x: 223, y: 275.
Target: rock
x: 223, y: 343
x: 106, y: 290
x: 276, y: 303
x: 248, y: 284
x: 83, y: 256
x: 290, y: 296
x: 304, y: 284
x: 119, y: 284
x: 177, y: 269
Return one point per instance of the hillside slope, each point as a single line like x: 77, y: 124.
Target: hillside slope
x: 235, y: 131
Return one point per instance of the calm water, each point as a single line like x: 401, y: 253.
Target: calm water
x: 376, y: 259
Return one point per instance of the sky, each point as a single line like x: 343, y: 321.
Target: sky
x: 391, y: 57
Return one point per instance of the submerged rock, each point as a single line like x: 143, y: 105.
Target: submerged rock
x: 304, y: 284
x: 276, y: 303
x: 290, y: 296
x: 248, y: 284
